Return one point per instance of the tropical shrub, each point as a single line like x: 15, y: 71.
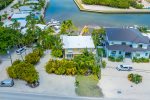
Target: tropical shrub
x: 16, y: 62
x: 83, y: 64
x: 38, y: 51
x: 61, y: 67
x: 140, y: 60
x: 104, y: 64
x: 86, y: 63
x: 32, y: 58
x: 115, y: 59
x: 57, y: 52
x: 135, y: 78
x: 24, y: 71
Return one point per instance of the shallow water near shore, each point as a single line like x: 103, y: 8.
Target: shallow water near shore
x: 67, y: 9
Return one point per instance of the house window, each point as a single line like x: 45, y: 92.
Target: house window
x: 113, y: 52
x: 119, y: 52
x: 146, y: 54
x: 140, y: 46
x: 137, y: 54
x: 123, y: 43
x: 70, y: 50
x: 69, y: 56
x: 130, y: 45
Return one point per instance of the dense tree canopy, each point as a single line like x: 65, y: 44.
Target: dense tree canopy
x: 115, y: 3
x: 82, y: 64
x: 8, y: 38
x: 4, y: 3
x: 98, y: 35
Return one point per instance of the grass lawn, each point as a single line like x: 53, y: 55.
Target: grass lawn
x: 88, y: 86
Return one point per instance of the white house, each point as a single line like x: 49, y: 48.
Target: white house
x: 74, y: 45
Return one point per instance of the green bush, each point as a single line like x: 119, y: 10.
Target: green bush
x: 140, y: 60
x: 24, y: 71
x: 57, y: 52
x: 61, y: 67
x: 86, y: 63
x: 135, y: 78
x: 104, y: 64
x: 32, y: 58
x: 39, y: 52
x: 16, y: 62
x: 115, y: 59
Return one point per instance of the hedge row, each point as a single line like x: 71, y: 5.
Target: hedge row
x: 140, y: 60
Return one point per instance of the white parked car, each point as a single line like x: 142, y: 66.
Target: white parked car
x: 7, y: 83
x: 20, y: 50
x: 124, y: 68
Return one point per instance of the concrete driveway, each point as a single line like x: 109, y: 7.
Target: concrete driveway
x: 56, y: 85
x: 113, y: 81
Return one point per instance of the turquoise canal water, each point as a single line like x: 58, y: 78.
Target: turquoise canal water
x: 67, y: 9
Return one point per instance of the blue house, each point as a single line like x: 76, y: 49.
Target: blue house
x: 126, y: 42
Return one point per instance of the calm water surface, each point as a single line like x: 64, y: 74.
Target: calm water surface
x: 67, y: 9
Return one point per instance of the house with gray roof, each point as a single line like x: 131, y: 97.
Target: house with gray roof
x: 126, y: 42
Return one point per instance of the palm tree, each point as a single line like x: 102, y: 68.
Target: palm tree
x: 15, y: 25
x: 84, y: 30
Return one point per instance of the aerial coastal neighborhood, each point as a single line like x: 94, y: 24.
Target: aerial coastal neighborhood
x: 47, y: 53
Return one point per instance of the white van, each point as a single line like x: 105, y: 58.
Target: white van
x: 124, y: 68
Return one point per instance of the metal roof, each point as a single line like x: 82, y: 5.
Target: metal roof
x: 125, y: 48
x: 126, y: 34
x: 77, y: 42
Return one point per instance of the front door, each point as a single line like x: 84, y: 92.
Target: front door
x: 128, y: 54
x: 69, y: 56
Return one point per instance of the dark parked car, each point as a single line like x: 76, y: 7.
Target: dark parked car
x: 7, y: 83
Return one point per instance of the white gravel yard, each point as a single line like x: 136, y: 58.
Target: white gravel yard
x: 49, y: 83
x: 114, y: 80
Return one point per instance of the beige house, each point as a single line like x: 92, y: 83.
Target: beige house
x: 74, y: 45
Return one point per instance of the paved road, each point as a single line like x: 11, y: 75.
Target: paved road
x: 25, y: 96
